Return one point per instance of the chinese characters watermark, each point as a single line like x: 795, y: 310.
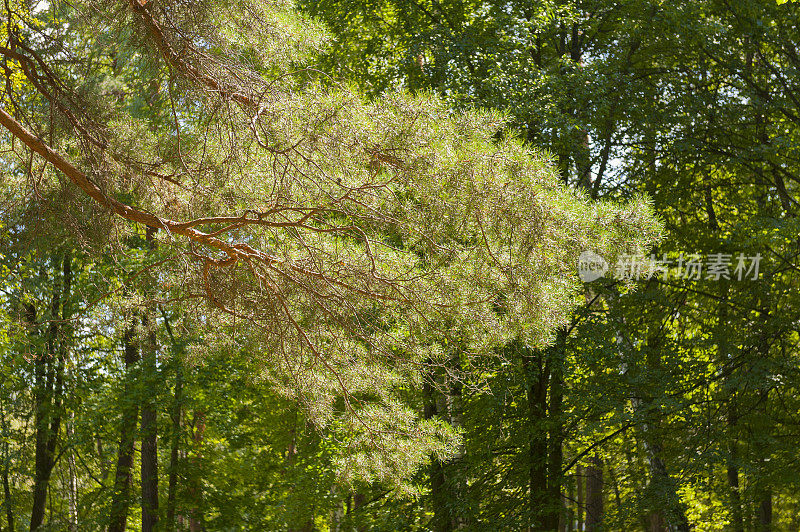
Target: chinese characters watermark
x: 693, y: 266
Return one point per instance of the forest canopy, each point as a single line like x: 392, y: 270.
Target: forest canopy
x: 281, y: 267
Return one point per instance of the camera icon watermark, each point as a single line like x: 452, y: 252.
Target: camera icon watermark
x: 591, y: 266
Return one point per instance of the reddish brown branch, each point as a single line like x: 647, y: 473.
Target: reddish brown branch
x: 234, y: 251
x: 174, y: 59
x: 124, y: 211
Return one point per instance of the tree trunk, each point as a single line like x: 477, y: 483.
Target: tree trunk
x: 443, y: 400
x: 537, y: 372
x: 42, y: 399
x: 570, y: 514
x: 435, y: 407
x: 723, y: 360
x: 594, y: 495
x: 149, y: 425
x: 49, y: 374
x: 765, y: 511
x: 105, y: 464
x: 537, y: 448
x: 304, y: 522
x: 674, y: 514
x: 6, y: 471
x: 580, y: 481
x: 737, y: 518
x: 655, y: 522
x: 456, y: 481
x: 66, y: 314
x: 130, y: 412
x: 196, y: 516
x: 177, y: 407
x: 73, y: 484
x: 359, y: 501
x: 41, y: 425
x: 554, y: 506
x: 338, y: 512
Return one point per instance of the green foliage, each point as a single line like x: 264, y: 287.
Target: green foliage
x: 398, y: 230
x: 695, y: 104
x: 391, y: 360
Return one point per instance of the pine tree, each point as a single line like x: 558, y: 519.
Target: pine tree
x: 349, y: 245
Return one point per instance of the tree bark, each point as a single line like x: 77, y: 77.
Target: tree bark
x: 66, y: 314
x: 49, y: 374
x: 737, y: 519
x: 580, y: 481
x: 149, y: 426
x: 765, y: 510
x: 359, y: 501
x: 555, y: 507
x: 196, y: 516
x: 570, y: 513
x: 6, y: 471
x: 130, y: 412
x: 73, y: 482
x: 42, y: 395
x: 737, y: 516
x: 456, y: 484
x: 674, y: 514
x: 177, y: 407
x: 435, y: 407
x: 537, y: 374
x: 594, y: 495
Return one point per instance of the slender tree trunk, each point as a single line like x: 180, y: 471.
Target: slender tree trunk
x: 555, y: 479
x: 765, y: 511
x: 181, y: 518
x: 571, y: 515
x: 737, y: 518
x: 674, y: 513
x: 196, y: 516
x: 149, y: 425
x: 306, y: 522
x: 435, y: 407
x: 43, y: 396
x: 338, y: 512
x: 443, y: 400
x: 105, y: 464
x: 177, y: 407
x: 764, y: 492
x: 456, y: 483
x: 441, y: 518
x: 729, y: 390
x: 49, y: 371
x: 359, y: 501
x: 583, y: 163
x: 580, y: 481
x: 66, y: 315
x: 594, y: 495
x: 41, y: 467
x: 130, y: 412
x: 538, y: 375
x: 39, y: 395
x: 73, y: 483
x: 6, y: 472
